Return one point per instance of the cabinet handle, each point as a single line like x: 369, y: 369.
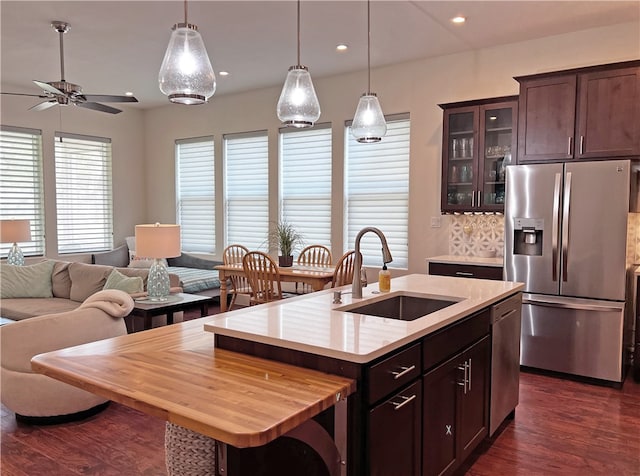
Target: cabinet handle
x: 473, y: 199
x: 463, y: 384
x: 469, y: 374
x: 464, y: 273
x: 405, y: 400
x: 479, y: 198
x: 581, y: 145
x: 569, y: 148
x: 405, y: 371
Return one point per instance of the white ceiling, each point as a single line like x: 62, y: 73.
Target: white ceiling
x: 118, y: 46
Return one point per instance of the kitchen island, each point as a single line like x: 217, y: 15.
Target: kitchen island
x: 308, y: 346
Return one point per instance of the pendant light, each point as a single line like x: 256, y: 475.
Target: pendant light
x: 186, y: 75
x: 298, y: 104
x: 368, y: 123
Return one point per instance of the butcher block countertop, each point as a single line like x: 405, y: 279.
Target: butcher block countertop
x: 174, y: 373
x: 312, y: 323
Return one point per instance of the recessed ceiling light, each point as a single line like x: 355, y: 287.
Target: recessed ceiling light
x: 342, y: 47
x: 224, y: 73
x: 459, y: 19
x: 128, y: 93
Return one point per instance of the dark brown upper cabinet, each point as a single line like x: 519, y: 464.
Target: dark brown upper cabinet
x: 478, y: 142
x: 586, y: 113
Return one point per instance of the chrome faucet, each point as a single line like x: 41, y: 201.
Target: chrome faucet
x: 359, y: 281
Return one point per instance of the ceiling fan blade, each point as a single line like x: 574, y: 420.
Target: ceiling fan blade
x: 23, y: 94
x: 43, y: 105
x: 98, y: 107
x: 109, y: 98
x: 48, y: 88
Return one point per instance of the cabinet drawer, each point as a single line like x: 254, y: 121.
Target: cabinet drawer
x: 450, y: 340
x: 394, y: 372
x: 466, y: 271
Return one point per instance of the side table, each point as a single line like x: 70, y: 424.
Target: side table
x: 147, y: 308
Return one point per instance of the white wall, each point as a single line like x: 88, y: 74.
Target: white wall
x: 415, y: 87
x: 144, y: 187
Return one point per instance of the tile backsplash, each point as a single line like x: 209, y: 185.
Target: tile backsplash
x: 471, y: 234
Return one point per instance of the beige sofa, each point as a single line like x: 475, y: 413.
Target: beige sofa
x: 36, y: 398
x: 53, y: 286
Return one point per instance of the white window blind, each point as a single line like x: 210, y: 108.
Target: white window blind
x: 196, y: 194
x: 305, y: 182
x: 21, y: 191
x: 247, y: 189
x: 83, y: 193
x: 377, y: 192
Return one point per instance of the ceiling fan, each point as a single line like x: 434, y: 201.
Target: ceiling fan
x: 63, y: 93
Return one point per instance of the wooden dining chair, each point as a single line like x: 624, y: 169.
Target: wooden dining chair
x: 233, y: 254
x: 263, y: 276
x: 313, y: 255
x: 343, y: 273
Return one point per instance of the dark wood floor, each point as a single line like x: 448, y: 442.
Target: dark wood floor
x: 562, y: 427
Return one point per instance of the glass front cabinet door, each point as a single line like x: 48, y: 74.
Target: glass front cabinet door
x: 479, y: 141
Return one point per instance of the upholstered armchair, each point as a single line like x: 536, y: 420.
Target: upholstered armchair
x: 36, y: 398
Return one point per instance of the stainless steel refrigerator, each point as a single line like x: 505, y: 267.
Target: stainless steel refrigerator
x: 566, y: 232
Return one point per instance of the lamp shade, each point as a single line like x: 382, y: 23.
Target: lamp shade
x: 186, y: 75
x: 158, y: 241
x: 298, y: 105
x: 15, y: 231
x: 368, y: 123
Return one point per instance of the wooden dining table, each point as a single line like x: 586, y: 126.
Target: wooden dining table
x: 315, y: 276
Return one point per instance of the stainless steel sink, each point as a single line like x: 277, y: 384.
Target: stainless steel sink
x: 404, y: 308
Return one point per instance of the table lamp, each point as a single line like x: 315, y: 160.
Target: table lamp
x: 14, y: 231
x: 158, y: 241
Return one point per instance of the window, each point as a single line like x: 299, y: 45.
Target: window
x: 305, y: 183
x: 21, y: 192
x: 247, y: 189
x: 196, y: 194
x: 83, y: 193
x: 377, y: 192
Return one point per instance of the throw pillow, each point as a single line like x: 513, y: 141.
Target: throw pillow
x: 128, y: 284
x: 87, y: 279
x: 33, y: 281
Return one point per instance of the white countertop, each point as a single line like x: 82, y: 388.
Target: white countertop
x: 472, y: 260
x: 312, y: 323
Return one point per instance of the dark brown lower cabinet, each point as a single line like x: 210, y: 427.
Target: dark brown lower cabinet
x: 455, y: 409
x: 394, y: 434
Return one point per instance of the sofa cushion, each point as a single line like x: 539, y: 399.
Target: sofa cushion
x: 128, y: 284
x: 87, y: 279
x: 33, y: 281
x: 25, y: 308
x: 60, y: 280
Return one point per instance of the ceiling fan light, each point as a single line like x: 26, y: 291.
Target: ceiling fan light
x: 368, y: 123
x: 298, y: 105
x: 186, y: 75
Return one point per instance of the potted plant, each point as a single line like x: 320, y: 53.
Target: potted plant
x: 285, y: 237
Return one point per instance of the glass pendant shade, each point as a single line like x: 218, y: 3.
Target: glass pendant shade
x: 368, y: 123
x: 298, y: 105
x: 186, y: 75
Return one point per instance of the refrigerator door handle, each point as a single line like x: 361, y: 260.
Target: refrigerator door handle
x: 554, y: 231
x: 572, y: 303
x: 565, y: 226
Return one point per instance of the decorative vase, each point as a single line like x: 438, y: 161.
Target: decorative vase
x: 285, y: 261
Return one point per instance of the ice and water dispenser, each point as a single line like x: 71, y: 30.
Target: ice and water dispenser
x: 527, y: 236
